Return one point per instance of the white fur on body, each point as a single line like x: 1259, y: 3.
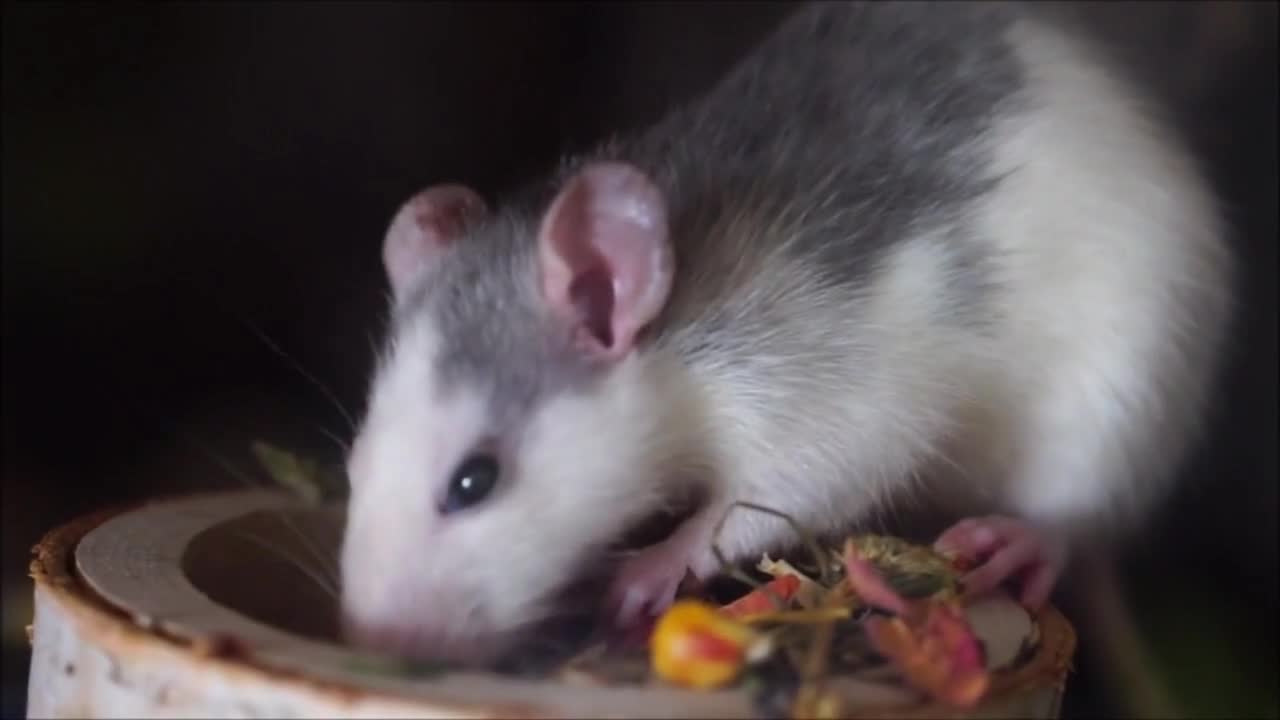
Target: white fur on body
x: 1071, y: 410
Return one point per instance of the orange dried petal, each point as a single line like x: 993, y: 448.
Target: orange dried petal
x: 696, y: 646
x: 950, y: 625
x: 936, y: 650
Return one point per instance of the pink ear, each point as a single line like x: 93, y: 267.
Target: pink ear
x: 423, y: 227
x: 606, y: 262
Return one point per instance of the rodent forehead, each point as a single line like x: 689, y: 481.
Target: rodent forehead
x: 412, y: 412
x: 490, y: 329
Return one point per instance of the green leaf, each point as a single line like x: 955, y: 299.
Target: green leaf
x: 915, y: 585
x: 301, y: 477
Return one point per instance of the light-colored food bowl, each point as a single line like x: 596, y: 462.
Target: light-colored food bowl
x: 198, y: 607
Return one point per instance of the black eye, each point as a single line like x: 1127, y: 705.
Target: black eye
x: 470, y: 483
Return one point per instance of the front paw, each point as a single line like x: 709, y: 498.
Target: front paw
x: 646, y: 583
x: 1007, y: 548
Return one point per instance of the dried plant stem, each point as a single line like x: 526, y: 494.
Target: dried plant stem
x: 800, y: 617
x: 824, y: 568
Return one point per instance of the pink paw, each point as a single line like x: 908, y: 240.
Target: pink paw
x: 647, y: 583
x: 1007, y: 548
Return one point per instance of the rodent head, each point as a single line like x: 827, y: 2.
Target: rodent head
x: 511, y: 430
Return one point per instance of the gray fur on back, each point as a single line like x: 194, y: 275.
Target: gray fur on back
x: 856, y: 128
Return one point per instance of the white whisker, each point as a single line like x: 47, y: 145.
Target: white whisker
x: 303, y: 371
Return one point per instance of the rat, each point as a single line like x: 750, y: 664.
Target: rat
x: 945, y: 250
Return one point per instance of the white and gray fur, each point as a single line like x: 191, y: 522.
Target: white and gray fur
x: 920, y: 248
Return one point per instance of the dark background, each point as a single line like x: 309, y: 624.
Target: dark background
x: 181, y: 177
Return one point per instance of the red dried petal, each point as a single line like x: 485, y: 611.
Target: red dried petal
x: 709, y: 647
x: 759, y: 600
x: 867, y: 583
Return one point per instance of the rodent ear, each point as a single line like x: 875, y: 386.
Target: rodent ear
x: 605, y: 257
x: 424, y: 226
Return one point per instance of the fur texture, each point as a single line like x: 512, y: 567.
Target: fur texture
x: 919, y: 247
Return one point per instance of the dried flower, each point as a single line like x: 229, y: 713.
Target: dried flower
x: 865, y: 581
x: 912, y: 571
x: 934, y: 647
x: 695, y: 645
x: 810, y: 593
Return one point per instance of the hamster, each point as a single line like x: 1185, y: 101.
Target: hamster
x: 949, y: 249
